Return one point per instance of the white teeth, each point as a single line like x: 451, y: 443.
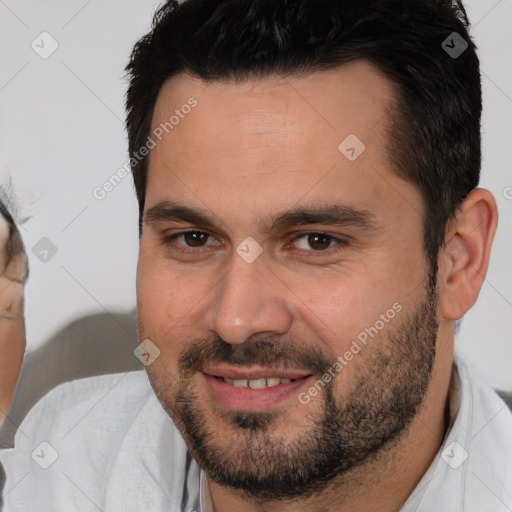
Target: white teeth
x: 256, y: 383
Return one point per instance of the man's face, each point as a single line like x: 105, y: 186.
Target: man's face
x: 326, y: 317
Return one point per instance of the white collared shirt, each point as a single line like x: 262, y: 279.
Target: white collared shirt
x: 105, y: 443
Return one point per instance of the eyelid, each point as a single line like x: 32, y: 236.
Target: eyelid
x: 174, y: 236
x: 342, y: 241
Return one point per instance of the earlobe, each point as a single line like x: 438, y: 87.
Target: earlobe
x: 464, y: 259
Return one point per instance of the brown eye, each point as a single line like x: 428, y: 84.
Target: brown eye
x: 315, y: 241
x: 319, y: 242
x: 195, y: 238
x: 187, y: 241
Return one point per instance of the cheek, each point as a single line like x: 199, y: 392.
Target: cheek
x: 168, y: 301
x: 156, y: 302
x: 158, y: 315
x: 342, y: 311
x: 340, y: 308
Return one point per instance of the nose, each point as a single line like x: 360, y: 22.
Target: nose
x: 249, y: 300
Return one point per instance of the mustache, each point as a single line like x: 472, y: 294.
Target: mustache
x: 270, y: 353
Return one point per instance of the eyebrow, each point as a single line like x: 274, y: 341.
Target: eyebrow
x: 325, y: 214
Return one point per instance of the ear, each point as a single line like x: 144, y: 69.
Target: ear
x: 464, y: 258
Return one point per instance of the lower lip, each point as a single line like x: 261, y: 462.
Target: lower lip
x: 247, y: 399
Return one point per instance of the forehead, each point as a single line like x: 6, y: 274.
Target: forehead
x: 352, y: 97
x: 267, y: 143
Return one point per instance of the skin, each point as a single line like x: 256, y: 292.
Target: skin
x: 12, y: 325
x: 250, y: 151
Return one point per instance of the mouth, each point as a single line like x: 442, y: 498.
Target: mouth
x: 252, y: 389
x: 260, y: 383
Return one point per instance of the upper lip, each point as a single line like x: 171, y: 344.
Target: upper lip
x: 253, y: 372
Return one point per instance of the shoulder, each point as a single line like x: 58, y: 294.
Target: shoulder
x: 486, y: 421
x: 482, y: 393
x: 107, y: 437
x: 118, y: 391
x: 482, y: 400
x: 94, y: 406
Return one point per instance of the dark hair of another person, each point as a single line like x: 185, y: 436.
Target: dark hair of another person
x: 433, y: 129
x: 14, y: 246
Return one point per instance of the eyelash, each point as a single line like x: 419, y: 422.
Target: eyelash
x: 341, y: 243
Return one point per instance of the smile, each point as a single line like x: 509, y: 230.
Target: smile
x: 264, y: 382
x: 252, y: 389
